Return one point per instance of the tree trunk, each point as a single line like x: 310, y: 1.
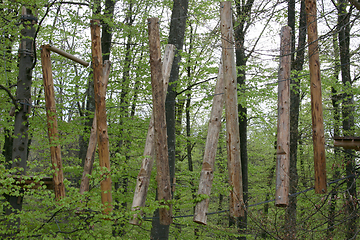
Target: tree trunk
x: 243, y: 11
x: 297, y: 66
x: 176, y: 37
x: 347, y: 115
x: 23, y: 96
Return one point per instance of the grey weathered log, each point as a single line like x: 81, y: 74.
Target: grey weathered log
x: 101, y: 119
x: 283, y: 125
x: 143, y: 178
x: 207, y: 171
x: 89, y: 160
x: 161, y: 147
x: 316, y: 99
x: 231, y: 107
x: 55, y: 148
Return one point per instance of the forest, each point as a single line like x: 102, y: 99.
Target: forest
x: 85, y: 156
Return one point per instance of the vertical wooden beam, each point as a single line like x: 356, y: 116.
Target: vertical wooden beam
x: 207, y: 171
x: 100, y: 105
x: 161, y: 148
x: 283, y: 125
x: 316, y: 99
x: 143, y: 178
x: 88, y: 165
x: 55, y: 149
x: 231, y: 107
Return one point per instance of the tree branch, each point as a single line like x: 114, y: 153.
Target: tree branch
x: 193, y: 85
x: 10, y: 95
x: 355, y: 3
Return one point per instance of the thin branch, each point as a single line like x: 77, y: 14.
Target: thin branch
x: 355, y: 3
x: 10, y: 95
x: 193, y: 85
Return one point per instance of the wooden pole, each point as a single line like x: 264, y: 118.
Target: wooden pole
x: 231, y: 107
x: 89, y: 160
x: 67, y: 55
x: 207, y: 171
x: 102, y: 133
x: 283, y: 126
x: 55, y: 149
x: 316, y: 99
x: 161, y: 148
x: 143, y: 178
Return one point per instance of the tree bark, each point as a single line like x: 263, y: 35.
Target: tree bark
x: 23, y: 96
x: 348, y: 121
x: 296, y: 67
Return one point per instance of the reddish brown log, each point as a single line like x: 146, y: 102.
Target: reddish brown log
x: 316, y: 99
x: 102, y: 132
x: 89, y: 160
x: 162, y: 163
x: 55, y: 149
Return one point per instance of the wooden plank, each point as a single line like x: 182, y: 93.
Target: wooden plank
x: 207, y: 171
x: 89, y: 160
x: 231, y: 107
x: 67, y: 55
x: 55, y: 149
x: 100, y: 105
x: 161, y: 148
x: 143, y: 178
x: 283, y: 126
x: 316, y: 99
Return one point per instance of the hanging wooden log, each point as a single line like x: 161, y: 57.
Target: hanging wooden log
x: 316, y: 99
x: 283, y: 126
x: 100, y: 105
x: 207, y: 171
x: 161, y: 148
x: 89, y: 160
x: 55, y: 148
x: 347, y: 142
x: 67, y: 55
x: 231, y: 107
x: 143, y: 178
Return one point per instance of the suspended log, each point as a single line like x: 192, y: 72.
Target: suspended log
x: 100, y: 105
x: 283, y: 126
x: 55, y: 148
x: 231, y: 107
x: 316, y: 99
x: 207, y: 171
x: 347, y: 142
x: 161, y: 148
x: 143, y: 178
x: 67, y: 55
x: 89, y: 160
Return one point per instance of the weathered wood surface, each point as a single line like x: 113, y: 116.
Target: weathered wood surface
x: 161, y: 148
x: 283, y: 125
x: 231, y: 107
x: 50, y: 105
x: 316, y: 99
x: 143, y: 178
x: 89, y: 160
x: 207, y: 171
x: 100, y: 105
